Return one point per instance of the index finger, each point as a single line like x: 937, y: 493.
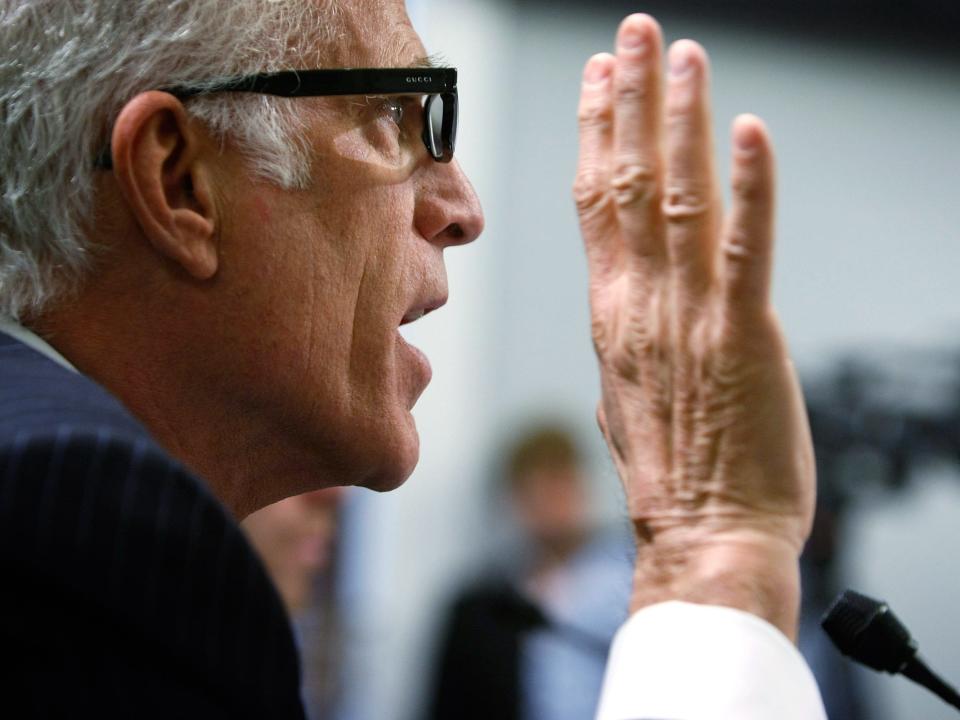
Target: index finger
x: 591, y: 189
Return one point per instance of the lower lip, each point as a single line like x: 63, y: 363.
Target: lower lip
x: 419, y: 360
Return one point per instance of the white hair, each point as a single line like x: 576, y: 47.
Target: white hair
x: 67, y: 67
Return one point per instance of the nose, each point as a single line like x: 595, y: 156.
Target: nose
x: 448, y: 209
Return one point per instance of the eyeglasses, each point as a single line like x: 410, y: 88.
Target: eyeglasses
x: 437, y: 85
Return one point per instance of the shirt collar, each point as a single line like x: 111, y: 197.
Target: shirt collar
x: 29, y: 338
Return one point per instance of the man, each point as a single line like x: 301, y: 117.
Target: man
x: 226, y: 271
x: 234, y: 274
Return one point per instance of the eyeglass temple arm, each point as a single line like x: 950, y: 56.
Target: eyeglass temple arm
x: 351, y: 81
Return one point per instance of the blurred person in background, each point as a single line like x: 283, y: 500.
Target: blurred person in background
x: 297, y: 538
x: 529, y: 639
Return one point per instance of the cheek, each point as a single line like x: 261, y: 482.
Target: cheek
x: 261, y: 210
x: 386, y: 283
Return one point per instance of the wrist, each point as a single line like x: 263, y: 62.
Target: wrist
x: 751, y: 571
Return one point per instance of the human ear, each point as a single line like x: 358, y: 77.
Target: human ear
x: 162, y: 172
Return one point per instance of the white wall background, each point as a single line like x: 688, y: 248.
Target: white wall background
x: 869, y: 253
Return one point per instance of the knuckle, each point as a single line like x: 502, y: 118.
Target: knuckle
x: 625, y: 363
x: 746, y: 188
x: 630, y: 361
x: 740, y: 259
x: 594, y: 113
x: 686, y: 202
x: 634, y: 183
x: 737, y: 246
x: 589, y: 190
x: 631, y: 88
x: 601, y: 419
x: 599, y: 333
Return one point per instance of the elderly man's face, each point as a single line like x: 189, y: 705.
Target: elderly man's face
x: 323, y: 278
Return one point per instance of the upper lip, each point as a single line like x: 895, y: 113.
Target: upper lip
x: 424, y: 306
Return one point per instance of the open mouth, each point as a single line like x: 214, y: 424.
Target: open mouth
x: 422, y: 310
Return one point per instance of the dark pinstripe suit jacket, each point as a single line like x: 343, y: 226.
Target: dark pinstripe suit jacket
x: 125, y: 588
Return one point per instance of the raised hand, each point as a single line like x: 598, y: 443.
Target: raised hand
x: 701, y: 407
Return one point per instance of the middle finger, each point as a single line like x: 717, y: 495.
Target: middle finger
x: 691, y: 202
x: 637, y: 165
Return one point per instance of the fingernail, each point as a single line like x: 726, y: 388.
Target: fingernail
x: 746, y: 139
x: 745, y: 135
x: 633, y: 37
x: 597, y: 70
x: 680, y: 58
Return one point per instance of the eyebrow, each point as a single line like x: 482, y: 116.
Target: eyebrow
x: 434, y: 60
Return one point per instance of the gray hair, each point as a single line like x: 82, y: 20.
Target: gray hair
x: 67, y: 67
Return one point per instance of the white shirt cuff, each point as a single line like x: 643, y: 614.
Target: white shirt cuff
x: 681, y: 661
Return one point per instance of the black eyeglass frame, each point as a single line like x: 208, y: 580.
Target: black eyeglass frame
x: 433, y: 82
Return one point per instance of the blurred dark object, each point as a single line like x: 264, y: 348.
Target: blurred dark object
x: 875, y: 423
x: 876, y: 420
x: 867, y: 631
x: 478, y: 669
x: 922, y: 27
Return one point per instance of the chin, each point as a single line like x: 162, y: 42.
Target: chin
x: 390, y: 478
x: 396, y: 459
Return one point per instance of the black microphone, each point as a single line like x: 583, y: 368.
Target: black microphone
x: 866, y: 630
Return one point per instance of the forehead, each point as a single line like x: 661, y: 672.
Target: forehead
x: 374, y: 33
